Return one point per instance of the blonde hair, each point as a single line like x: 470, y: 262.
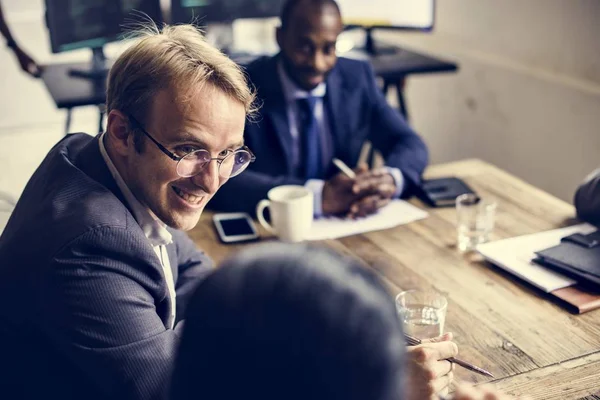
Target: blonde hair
x: 172, y: 57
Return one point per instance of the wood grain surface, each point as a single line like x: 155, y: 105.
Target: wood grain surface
x: 531, y: 344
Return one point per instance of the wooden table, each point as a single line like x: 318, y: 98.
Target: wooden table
x: 530, y: 344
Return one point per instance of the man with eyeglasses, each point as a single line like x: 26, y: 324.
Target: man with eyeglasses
x: 96, y: 271
x: 317, y: 107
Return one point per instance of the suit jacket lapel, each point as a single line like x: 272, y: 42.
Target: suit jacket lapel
x: 276, y: 109
x: 279, y: 118
x: 337, y: 111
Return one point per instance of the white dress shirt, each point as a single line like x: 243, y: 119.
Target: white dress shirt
x: 154, y: 229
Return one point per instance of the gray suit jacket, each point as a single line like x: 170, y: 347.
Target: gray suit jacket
x: 587, y: 199
x: 84, y: 301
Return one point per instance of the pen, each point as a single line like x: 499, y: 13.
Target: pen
x: 344, y: 168
x: 413, y: 341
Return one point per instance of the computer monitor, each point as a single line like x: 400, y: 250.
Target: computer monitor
x: 415, y: 15
x: 202, y: 12
x: 76, y: 24
x: 418, y: 15
x: 395, y: 14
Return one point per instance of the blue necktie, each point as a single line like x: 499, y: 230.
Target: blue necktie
x: 310, y: 139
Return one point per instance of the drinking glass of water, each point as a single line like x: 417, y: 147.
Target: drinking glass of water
x: 474, y: 220
x: 422, y: 312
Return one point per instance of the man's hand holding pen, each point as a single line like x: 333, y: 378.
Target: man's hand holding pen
x: 357, y: 192
x: 430, y: 374
x: 374, y: 189
x: 337, y: 193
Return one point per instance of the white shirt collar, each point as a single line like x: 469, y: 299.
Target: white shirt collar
x: 154, y: 229
x: 292, y: 92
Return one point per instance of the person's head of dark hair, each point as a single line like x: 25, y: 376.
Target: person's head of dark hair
x: 290, y: 322
x: 307, y: 39
x: 290, y: 6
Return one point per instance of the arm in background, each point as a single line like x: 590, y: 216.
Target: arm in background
x: 587, y: 199
x: 27, y: 64
x: 400, y: 146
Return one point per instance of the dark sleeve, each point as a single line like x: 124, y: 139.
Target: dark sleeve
x: 99, y: 306
x: 242, y: 193
x: 587, y: 199
x: 193, y: 266
x: 399, y: 144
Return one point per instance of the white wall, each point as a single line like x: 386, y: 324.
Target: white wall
x: 527, y: 96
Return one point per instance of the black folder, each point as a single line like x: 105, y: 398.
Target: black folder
x: 577, y: 256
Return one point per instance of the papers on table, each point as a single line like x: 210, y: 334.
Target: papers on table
x: 398, y: 212
x: 515, y: 255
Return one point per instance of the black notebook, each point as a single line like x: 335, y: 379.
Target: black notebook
x: 442, y: 192
x: 577, y: 256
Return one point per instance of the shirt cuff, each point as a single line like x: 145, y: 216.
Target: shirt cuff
x: 398, y: 180
x: 316, y: 186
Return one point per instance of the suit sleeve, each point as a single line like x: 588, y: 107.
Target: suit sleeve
x: 193, y: 266
x: 399, y: 144
x: 100, y: 307
x: 242, y: 193
x: 587, y: 199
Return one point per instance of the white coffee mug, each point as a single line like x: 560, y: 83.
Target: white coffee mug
x: 291, y: 208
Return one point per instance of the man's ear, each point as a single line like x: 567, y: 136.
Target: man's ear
x: 119, y: 130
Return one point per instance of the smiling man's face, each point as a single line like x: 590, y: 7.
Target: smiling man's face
x: 307, y: 43
x: 209, y: 119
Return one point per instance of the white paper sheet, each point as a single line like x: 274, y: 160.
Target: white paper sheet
x: 398, y: 212
x: 515, y: 255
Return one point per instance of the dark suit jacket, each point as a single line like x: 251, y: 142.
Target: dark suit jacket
x: 84, y: 301
x: 587, y: 199
x: 357, y: 111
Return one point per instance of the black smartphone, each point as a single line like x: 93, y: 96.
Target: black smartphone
x: 442, y: 192
x: 235, y: 227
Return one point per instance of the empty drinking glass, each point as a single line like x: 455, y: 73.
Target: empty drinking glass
x: 474, y: 220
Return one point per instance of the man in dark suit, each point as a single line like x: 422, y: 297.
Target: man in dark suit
x: 317, y: 107
x: 95, y: 272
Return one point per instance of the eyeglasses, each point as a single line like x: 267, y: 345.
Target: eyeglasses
x: 194, y: 162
